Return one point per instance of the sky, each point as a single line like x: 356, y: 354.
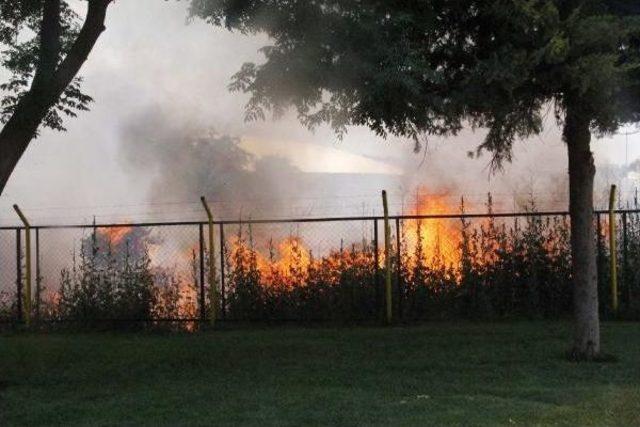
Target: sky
x: 154, y: 72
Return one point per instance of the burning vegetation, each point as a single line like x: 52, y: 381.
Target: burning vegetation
x: 114, y: 278
x: 441, y: 268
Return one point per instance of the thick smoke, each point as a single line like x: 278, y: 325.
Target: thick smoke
x: 189, y: 160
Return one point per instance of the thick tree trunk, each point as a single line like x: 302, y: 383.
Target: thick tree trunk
x: 49, y: 82
x: 586, y: 344
x: 18, y: 132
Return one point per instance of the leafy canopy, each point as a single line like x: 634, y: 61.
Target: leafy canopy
x: 20, y: 25
x: 415, y: 67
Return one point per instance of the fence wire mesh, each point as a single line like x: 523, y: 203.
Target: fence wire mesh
x: 120, y: 273
x: 627, y: 241
x: 305, y: 270
x: 8, y: 275
x: 300, y: 271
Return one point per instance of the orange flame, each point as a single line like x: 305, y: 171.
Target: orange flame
x: 286, y: 266
x: 291, y: 266
x: 436, y: 241
x: 432, y: 242
x: 115, y: 234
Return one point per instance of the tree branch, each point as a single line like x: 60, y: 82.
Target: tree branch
x: 91, y: 29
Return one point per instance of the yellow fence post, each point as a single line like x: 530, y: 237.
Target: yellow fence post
x: 387, y: 257
x: 27, y: 294
x: 613, y: 266
x: 213, y: 297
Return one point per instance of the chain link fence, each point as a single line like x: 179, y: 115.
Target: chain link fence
x: 8, y: 275
x: 488, y: 266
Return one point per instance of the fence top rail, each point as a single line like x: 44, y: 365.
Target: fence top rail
x: 525, y: 214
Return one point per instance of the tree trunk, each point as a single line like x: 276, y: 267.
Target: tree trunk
x: 18, y: 132
x: 586, y: 344
x: 49, y: 82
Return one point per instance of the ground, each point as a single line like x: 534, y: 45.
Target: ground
x: 438, y: 373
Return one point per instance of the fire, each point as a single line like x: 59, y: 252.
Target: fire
x: 285, y: 266
x: 432, y: 242
x: 177, y: 293
x: 435, y: 241
x: 115, y: 235
x: 288, y: 263
x: 290, y: 266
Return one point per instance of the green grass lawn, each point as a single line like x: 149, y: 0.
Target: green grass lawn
x: 438, y: 373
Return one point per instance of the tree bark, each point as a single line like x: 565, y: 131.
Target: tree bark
x: 49, y: 82
x: 586, y: 344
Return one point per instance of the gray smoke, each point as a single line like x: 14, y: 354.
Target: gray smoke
x: 187, y: 160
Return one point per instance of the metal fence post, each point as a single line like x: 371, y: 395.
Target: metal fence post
x: 223, y: 296
x: 613, y: 251
x: 387, y: 260
x: 203, y: 310
x: 599, y: 251
x: 213, y: 294
x: 625, y: 257
x: 399, y: 268
x: 27, y: 265
x: 38, y: 277
x: 376, y: 268
x: 19, y: 274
